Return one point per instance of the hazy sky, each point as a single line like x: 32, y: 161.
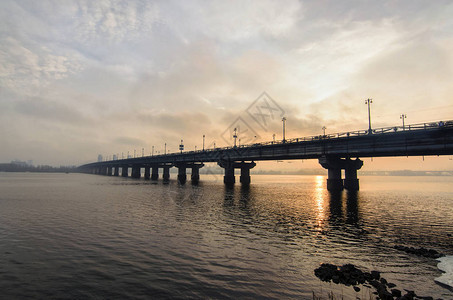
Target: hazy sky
x: 82, y: 78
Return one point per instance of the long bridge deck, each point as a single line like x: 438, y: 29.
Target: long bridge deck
x: 334, y: 151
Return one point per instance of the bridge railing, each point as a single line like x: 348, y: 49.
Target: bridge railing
x: 348, y: 134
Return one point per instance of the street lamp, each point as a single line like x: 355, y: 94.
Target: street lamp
x: 368, y: 102
x: 273, y: 137
x: 284, y: 123
x: 203, y: 141
x: 152, y: 151
x: 235, y: 136
x: 143, y: 152
x: 165, y: 149
x: 402, y: 117
x: 324, y: 130
x: 135, y: 151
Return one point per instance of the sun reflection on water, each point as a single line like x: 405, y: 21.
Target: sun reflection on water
x: 319, y: 196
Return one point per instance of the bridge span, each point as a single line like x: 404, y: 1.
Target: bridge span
x: 335, y: 152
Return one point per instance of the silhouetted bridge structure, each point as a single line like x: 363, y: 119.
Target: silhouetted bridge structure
x: 335, y: 152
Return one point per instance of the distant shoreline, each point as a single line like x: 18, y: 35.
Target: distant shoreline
x: 364, y: 173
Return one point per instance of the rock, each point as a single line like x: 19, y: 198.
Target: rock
x: 430, y: 253
x: 396, y: 293
x: 375, y: 275
x: 357, y: 289
x: 391, y: 285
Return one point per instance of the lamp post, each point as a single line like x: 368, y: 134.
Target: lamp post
x: 368, y: 102
x: 324, y: 130
x: 181, y: 146
x: 273, y: 137
x: 402, y: 117
x: 203, y: 141
x: 235, y: 136
x: 152, y: 151
x: 135, y: 152
x: 284, y: 124
x: 143, y: 152
x: 165, y: 149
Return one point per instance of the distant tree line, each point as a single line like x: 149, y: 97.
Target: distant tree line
x: 14, y: 167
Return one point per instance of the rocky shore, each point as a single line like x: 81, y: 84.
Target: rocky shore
x: 349, y: 275
x: 430, y: 253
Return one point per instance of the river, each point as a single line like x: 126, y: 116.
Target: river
x: 78, y: 236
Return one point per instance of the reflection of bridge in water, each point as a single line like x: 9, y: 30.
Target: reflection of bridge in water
x: 335, y: 152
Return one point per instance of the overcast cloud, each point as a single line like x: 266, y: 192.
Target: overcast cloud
x: 82, y: 78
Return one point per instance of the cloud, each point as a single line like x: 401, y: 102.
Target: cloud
x: 90, y: 77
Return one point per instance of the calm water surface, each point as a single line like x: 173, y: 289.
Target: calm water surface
x: 77, y: 236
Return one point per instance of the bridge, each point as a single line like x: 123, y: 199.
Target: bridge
x: 335, y: 152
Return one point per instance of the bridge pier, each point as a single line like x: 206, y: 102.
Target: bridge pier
x: 182, y: 174
x: 147, y: 169
x: 334, y: 165
x: 166, y: 174
x: 136, y: 172
x: 155, y: 173
x: 334, y: 181
x: 195, y: 176
x: 229, y: 167
x: 245, y: 178
x: 104, y: 170
x: 117, y: 171
x: 124, y: 171
x: 351, y: 182
x: 229, y: 178
x: 109, y: 171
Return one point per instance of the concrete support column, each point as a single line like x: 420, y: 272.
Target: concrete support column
x: 155, y: 173
x: 334, y: 181
x: 333, y: 166
x: 117, y: 171
x: 136, y: 172
x: 109, y: 171
x: 351, y: 182
x: 147, y: 175
x: 229, y: 175
x: 166, y: 175
x: 182, y: 174
x: 245, y: 171
x: 195, y: 176
x: 124, y: 171
x: 245, y: 175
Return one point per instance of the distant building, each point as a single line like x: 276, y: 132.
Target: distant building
x: 19, y: 163
x: 115, y: 157
x: 100, y: 158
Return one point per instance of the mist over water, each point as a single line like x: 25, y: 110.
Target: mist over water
x: 72, y: 236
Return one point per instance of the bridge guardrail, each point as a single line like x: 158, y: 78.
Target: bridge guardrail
x: 348, y: 134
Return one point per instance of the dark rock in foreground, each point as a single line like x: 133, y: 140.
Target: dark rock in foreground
x: 350, y: 275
